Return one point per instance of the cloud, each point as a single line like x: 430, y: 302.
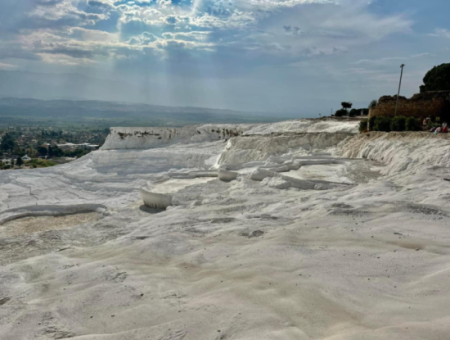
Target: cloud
x: 4, y: 66
x: 387, y: 60
x: 441, y: 33
x: 85, y: 30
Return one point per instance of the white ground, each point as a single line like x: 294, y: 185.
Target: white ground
x: 364, y: 254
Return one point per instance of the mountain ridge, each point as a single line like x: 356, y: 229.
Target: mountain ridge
x: 68, y: 111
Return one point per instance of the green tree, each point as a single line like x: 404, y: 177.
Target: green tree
x: 341, y: 113
x: 50, y: 151
x: 57, y: 152
x: 346, y: 105
x: 373, y: 103
x: 437, y: 79
x: 42, y: 150
x: 19, y: 151
x: 19, y: 162
x: 353, y: 113
x: 8, y: 143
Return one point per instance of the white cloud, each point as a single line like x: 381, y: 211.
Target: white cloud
x: 246, y: 28
x: 4, y: 66
x: 441, y: 33
x: 387, y: 60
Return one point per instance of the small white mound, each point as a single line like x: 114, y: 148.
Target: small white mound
x: 260, y: 174
x: 156, y: 200
x: 227, y: 175
x: 276, y: 182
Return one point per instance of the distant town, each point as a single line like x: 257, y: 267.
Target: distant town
x: 38, y: 147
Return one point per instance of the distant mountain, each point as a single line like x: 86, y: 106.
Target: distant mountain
x: 110, y: 113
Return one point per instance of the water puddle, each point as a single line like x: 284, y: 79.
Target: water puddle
x: 30, y: 225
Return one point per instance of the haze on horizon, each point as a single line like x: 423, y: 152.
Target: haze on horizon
x: 302, y: 56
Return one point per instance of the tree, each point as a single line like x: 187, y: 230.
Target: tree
x: 42, y: 150
x: 346, y: 105
x: 55, y: 151
x: 437, y: 79
x: 373, y: 103
x: 353, y: 113
x: 8, y: 143
x: 19, y: 162
x: 19, y: 151
x: 341, y: 113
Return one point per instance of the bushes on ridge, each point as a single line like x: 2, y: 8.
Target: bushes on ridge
x: 382, y: 124
x: 41, y: 163
x: 353, y: 113
x: 341, y: 113
x: 363, y: 125
x: 398, y: 123
x: 412, y: 124
x: 371, y: 123
x: 387, y: 124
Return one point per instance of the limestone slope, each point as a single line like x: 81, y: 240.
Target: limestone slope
x: 362, y: 254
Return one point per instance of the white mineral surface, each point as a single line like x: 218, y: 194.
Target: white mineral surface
x: 340, y: 236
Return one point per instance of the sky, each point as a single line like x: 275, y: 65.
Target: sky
x: 301, y: 57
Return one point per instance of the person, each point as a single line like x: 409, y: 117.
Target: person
x: 444, y: 128
x: 426, y: 120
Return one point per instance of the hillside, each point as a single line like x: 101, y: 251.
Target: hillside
x: 14, y: 111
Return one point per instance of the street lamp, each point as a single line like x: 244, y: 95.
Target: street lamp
x: 399, y: 86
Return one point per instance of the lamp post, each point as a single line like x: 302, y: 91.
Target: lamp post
x: 399, y: 86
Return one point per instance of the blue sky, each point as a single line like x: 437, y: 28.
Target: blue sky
x: 298, y: 56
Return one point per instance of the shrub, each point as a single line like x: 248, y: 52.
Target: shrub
x: 398, y: 124
x: 372, y: 123
x: 41, y: 163
x: 412, y: 124
x: 431, y: 124
x: 363, y: 125
x: 382, y: 124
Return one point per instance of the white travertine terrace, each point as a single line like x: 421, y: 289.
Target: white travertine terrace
x: 312, y: 233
